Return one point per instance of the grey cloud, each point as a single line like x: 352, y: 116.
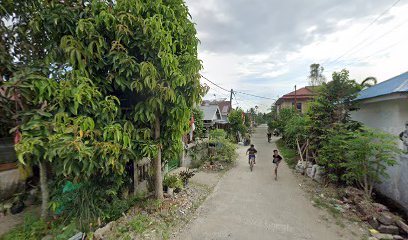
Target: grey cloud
x: 255, y: 26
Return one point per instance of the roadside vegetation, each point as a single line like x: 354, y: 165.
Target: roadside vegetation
x: 347, y: 152
x: 88, y: 89
x: 289, y: 154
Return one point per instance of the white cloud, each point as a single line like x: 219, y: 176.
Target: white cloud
x: 246, y: 48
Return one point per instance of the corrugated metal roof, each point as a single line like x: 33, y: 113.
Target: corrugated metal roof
x: 210, y: 111
x: 396, y: 84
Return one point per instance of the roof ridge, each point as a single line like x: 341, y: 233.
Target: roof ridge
x: 390, y: 79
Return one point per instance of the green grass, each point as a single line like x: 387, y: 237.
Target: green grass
x: 289, y: 155
x: 140, y: 223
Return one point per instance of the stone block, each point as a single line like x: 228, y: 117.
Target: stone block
x: 380, y: 207
x: 390, y: 229
x: 386, y: 218
x: 100, y: 233
x: 9, y: 183
x: 381, y: 236
x: 373, y: 222
x: 402, y: 225
x: 398, y: 237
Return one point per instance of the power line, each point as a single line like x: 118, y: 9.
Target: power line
x: 215, y: 84
x: 253, y: 95
x: 367, y: 27
x: 234, y: 90
x: 375, y: 40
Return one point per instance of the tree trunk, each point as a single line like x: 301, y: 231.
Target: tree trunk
x: 158, y: 183
x: 44, y: 190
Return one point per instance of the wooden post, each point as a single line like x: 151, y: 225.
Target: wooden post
x: 135, y: 177
x: 182, y: 161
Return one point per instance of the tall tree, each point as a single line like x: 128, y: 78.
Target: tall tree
x: 316, y: 76
x: 101, y: 82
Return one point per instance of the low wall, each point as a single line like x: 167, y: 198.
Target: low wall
x: 396, y: 187
x: 9, y: 183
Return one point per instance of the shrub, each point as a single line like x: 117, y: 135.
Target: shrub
x: 31, y: 229
x: 172, y: 181
x: 289, y: 155
x: 333, y: 154
x: 295, y: 129
x: 370, y: 152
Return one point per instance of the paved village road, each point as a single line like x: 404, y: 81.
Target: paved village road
x: 252, y: 205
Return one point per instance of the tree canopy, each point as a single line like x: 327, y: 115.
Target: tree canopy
x: 94, y: 84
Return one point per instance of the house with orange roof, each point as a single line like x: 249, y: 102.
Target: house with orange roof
x: 298, y: 99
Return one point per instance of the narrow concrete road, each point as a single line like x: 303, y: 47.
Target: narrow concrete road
x: 252, y: 205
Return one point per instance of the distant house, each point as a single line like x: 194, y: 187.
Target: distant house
x: 385, y: 106
x: 301, y: 97
x: 212, y: 116
x: 223, y: 105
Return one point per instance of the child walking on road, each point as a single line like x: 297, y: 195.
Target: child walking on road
x: 276, y: 160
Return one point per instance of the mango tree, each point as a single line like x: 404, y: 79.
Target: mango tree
x: 117, y: 80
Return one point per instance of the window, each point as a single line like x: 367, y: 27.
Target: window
x: 299, y: 107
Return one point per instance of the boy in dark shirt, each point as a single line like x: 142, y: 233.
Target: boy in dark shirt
x: 251, y: 151
x: 276, y: 160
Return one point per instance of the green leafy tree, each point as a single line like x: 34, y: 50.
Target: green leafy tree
x: 316, y: 76
x: 331, y: 107
x: 282, y: 119
x: 334, y: 153
x: 237, y: 122
x: 369, y: 153
x: 295, y: 131
x: 198, y: 122
x: 100, y: 82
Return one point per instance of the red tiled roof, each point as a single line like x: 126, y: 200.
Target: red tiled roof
x: 302, y: 93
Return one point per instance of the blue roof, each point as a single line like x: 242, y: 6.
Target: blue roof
x: 396, y: 84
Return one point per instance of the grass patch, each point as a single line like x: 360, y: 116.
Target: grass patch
x: 34, y: 228
x: 140, y: 223
x: 289, y: 155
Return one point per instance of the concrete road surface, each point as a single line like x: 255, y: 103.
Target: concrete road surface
x: 252, y: 205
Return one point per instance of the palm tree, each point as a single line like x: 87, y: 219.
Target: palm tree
x: 368, y: 82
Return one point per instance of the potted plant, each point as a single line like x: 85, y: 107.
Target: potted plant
x: 172, y: 182
x: 185, y: 176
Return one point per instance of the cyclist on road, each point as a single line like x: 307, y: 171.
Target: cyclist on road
x: 269, y: 136
x: 251, y: 151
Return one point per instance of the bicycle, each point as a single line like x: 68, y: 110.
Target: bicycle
x: 251, y: 161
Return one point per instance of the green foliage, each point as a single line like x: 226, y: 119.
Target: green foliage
x: 86, y: 81
x: 289, y: 154
x: 237, y: 122
x: 295, y: 129
x: 217, y: 134
x: 370, y: 152
x: 31, y: 229
x: 334, y: 153
x: 140, y: 223
x: 316, y: 76
x: 282, y: 119
x: 198, y: 122
x: 34, y: 228
x: 225, y: 150
x: 172, y: 181
x: 331, y: 107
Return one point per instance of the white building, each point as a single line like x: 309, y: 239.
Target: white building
x: 385, y: 106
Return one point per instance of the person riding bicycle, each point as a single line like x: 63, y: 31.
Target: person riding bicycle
x: 251, y: 151
x: 269, y: 136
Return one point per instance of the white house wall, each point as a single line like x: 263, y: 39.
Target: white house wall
x: 389, y: 116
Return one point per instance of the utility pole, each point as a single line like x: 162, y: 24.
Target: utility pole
x: 232, y: 91
x: 295, y: 100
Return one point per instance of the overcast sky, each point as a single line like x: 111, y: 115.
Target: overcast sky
x: 265, y: 47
